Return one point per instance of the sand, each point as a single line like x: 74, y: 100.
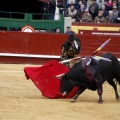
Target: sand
x: 21, y: 100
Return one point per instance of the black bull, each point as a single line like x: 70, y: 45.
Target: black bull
x: 91, y: 76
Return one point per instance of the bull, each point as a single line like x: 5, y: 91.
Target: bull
x: 91, y: 76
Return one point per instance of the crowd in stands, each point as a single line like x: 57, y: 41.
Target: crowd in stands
x: 97, y: 11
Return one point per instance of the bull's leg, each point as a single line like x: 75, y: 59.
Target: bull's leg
x: 112, y: 83
x: 80, y: 90
x: 99, y: 90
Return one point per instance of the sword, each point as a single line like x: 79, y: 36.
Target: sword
x: 76, y: 58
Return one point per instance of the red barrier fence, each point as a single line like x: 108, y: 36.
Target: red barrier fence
x: 19, y: 47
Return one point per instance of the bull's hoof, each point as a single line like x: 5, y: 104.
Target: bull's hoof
x: 100, y: 101
x: 118, y: 98
x: 72, y: 100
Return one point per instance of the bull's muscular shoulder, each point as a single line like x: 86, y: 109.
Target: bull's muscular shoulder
x: 66, y: 45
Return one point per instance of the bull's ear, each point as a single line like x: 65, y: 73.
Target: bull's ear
x: 59, y: 76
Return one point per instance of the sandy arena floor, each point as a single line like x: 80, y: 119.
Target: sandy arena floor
x: 21, y: 100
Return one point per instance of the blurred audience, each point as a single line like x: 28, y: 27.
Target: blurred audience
x: 82, y: 10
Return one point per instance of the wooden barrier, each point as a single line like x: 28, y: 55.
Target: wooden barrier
x: 78, y: 27
x: 37, y: 48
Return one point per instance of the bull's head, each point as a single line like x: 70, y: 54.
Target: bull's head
x: 65, y: 83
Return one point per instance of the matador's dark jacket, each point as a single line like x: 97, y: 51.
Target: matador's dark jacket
x: 69, y: 51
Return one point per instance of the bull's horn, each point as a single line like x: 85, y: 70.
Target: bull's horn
x: 59, y: 76
x: 64, y: 93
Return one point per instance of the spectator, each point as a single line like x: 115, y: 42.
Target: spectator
x: 117, y: 19
x: 61, y: 5
x: 89, y: 3
x: 108, y: 4
x: 86, y: 17
x: 79, y: 5
x: 57, y: 30
x: 100, y: 3
x: 118, y: 4
x: 50, y: 9
x: 71, y: 12
x: 105, y: 12
x: 85, y: 2
x: 93, y: 12
x: 110, y: 17
x: 15, y: 29
x: 51, y: 30
x: 68, y: 30
x: 115, y: 11
x: 114, y: 3
x: 93, y: 9
x: 100, y: 18
x: 70, y: 2
x: 80, y: 13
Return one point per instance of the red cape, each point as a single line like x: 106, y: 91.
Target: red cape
x: 43, y: 78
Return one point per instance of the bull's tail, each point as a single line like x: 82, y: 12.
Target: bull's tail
x: 117, y: 70
x: 119, y: 74
x: 116, y: 65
